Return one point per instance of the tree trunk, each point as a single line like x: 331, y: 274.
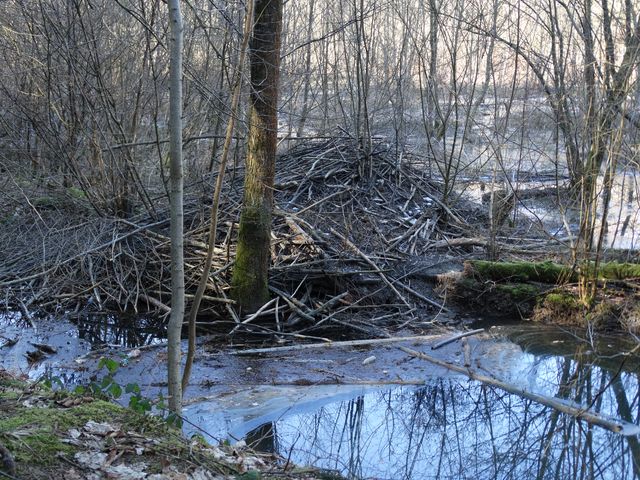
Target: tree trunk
x: 177, y: 216
x: 432, y: 83
x: 307, y: 71
x: 250, y: 276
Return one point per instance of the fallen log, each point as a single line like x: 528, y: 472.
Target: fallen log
x: 545, y: 272
x: 565, y: 406
x: 328, y: 344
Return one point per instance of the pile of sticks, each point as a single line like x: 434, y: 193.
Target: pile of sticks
x: 338, y: 238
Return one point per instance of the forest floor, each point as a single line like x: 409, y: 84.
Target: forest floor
x: 46, y: 433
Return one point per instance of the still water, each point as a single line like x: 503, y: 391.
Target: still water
x: 558, y: 217
x: 448, y: 427
x: 451, y: 427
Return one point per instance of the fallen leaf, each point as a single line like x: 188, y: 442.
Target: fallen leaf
x: 96, y: 428
x: 91, y: 460
x: 124, y: 472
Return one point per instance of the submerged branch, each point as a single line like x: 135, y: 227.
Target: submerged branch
x: 570, y: 408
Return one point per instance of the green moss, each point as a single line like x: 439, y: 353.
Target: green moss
x: 7, y: 383
x: 253, y: 255
x: 40, y: 426
x: 250, y: 475
x: 544, y: 272
x: 45, y: 202
x: 76, y: 193
x: 561, y: 300
x: 9, y: 395
x: 518, y: 291
x: 42, y: 448
x: 34, y: 427
x: 560, y: 308
x: 619, y: 271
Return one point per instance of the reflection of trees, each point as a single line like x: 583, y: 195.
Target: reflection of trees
x: 454, y: 429
x: 624, y: 408
x: 353, y: 429
x: 263, y: 438
x: 100, y: 329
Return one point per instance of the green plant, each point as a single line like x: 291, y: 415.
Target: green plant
x: 108, y: 388
x: 111, y: 389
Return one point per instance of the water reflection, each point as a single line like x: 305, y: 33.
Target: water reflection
x: 453, y: 428
x: 121, y: 330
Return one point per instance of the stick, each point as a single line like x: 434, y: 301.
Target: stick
x: 422, y: 297
x: 25, y: 313
x: 565, y: 406
x: 467, y: 352
x: 456, y: 337
x: 308, y: 346
x: 372, y: 263
x: 294, y: 303
x: 460, y: 242
x: 156, y: 303
x: 255, y: 315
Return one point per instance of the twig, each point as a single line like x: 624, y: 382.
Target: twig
x: 456, y: 337
x: 570, y: 408
x: 348, y: 343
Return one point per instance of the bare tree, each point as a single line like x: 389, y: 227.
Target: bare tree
x: 176, y: 318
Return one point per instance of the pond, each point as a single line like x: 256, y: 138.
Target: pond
x: 552, y: 212
x: 397, y: 417
x: 452, y: 427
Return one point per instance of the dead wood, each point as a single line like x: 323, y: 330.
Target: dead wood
x: 330, y: 344
x: 452, y: 339
x: 338, y: 243
x: 565, y: 406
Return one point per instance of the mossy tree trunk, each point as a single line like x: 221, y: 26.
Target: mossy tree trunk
x: 250, y: 276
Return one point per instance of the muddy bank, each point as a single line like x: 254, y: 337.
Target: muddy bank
x: 548, y: 292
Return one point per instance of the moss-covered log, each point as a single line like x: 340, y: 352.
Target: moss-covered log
x: 545, y: 292
x: 544, y: 272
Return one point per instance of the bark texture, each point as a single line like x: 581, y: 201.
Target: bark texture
x: 177, y: 214
x: 250, y: 277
